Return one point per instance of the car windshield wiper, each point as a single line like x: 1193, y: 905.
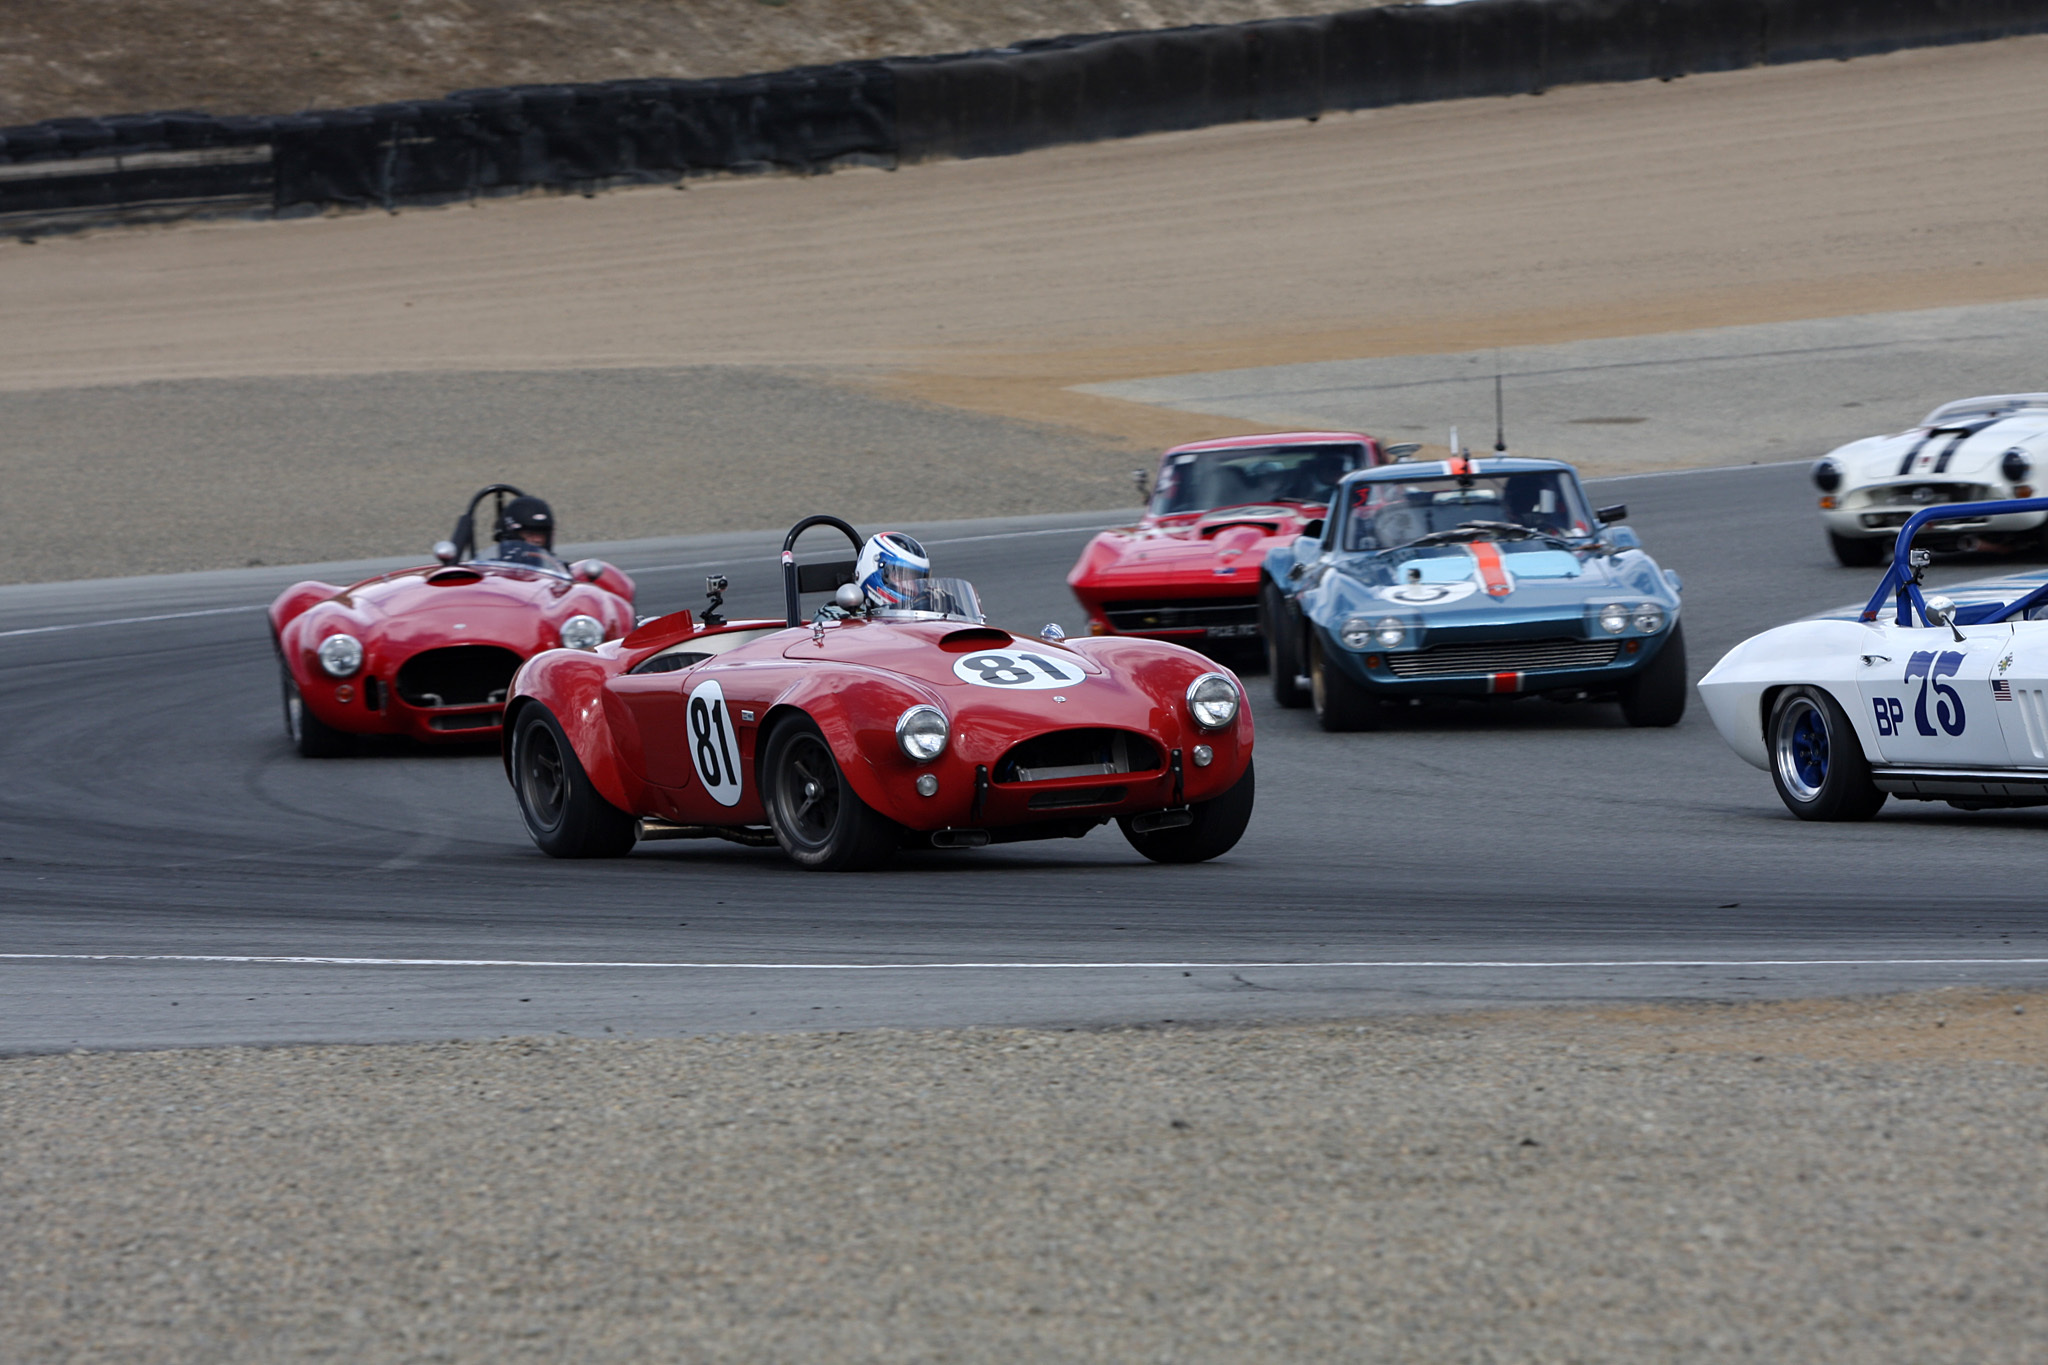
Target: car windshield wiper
x: 1475, y: 530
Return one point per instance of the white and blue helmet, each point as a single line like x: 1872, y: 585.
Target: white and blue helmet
x: 892, y: 570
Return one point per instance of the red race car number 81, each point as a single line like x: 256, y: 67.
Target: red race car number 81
x: 1016, y: 669
x: 714, y: 748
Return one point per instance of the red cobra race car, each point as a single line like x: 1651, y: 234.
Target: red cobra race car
x: 430, y: 652
x: 867, y: 729
x: 1189, y: 571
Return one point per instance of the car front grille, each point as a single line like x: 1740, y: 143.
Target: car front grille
x: 458, y: 675
x: 1187, y: 613
x: 1928, y: 494
x: 1503, y: 656
x: 471, y: 720
x: 1064, y: 754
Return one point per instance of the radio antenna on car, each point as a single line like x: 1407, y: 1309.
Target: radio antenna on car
x: 1500, y: 423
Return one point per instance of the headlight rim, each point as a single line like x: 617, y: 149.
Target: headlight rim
x: 1655, y: 612
x: 1236, y: 701
x: 903, y: 736
x: 594, y: 624
x: 346, y: 644
x: 1621, y: 613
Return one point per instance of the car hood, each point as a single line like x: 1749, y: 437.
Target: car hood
x: 1486, y: 578
x: 1222, y: 544
x: 1121, y: 683
x: 423, y: 608
x: 1968, y: 453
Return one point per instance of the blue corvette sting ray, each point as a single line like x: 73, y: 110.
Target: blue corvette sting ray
x: 1489, y: 578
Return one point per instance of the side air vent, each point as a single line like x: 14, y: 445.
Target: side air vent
x: 460, y: 675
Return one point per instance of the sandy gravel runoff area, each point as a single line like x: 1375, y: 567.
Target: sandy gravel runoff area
x: 985, y: 288
x: 1855, y: 1182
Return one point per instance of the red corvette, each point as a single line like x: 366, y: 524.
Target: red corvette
x: 430, y: 652
x: 874, y: 727
x: 1189, y: 571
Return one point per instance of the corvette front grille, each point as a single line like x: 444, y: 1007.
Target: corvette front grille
x: 1187, y: 613
x: 1503, y: 656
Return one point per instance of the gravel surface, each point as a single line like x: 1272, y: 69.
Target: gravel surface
x: 1848, y: 1181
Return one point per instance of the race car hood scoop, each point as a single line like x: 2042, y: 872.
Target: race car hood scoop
x: 453, y: 577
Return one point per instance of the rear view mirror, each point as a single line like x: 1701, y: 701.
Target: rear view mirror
x: 444, y: 550
x: 1401, y: 451
x: 1609, y: 515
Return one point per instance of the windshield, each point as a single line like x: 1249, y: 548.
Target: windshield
x: 952, y: 598
x: 523, y: 553
x: 1384, y: 515
x: 1201, y: 479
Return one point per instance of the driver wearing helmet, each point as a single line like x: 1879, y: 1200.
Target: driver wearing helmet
x: 526, y: 533
x: 892, y: 572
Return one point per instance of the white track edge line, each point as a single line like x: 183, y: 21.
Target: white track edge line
x: 128, y: 621
x: 1363, y: 964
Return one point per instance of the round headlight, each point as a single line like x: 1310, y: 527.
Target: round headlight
x: 1390, y: 631
x: 1827, y: 476
x: 2015, y: 465
x: 1357, y: 633
x: 921, y: 733
x: 1649, y: 618
x: 582, y: 632
x: 1614, y: 618
x: 341, y: 655
x: 1212, y: 701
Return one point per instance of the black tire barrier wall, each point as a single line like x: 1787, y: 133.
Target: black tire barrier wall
x: 1073, y: 89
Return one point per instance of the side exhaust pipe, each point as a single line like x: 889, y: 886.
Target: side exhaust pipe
x: 959, y: 838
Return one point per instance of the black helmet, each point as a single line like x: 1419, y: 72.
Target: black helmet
x: 526, y: 513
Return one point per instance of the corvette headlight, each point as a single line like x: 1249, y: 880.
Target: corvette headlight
x: 1360, y: 632
x: 1212, y: 701
x: 1827, y: 476
x: 1649, y: 618
x: 1614, y: 618
x: 340, y: 655
x: 921, y: 733
x: 2015, y: 465
x: 582, y: 632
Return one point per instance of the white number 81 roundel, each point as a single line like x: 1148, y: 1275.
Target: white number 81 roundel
x: 1016, y: 669
x: 714, y: 748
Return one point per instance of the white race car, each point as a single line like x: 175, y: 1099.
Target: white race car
x: 1920, y: 698
x: 1972, y: 450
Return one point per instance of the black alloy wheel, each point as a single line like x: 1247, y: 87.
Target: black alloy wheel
x: 1283, y: 654
x: 564, y: 813
x: 1215, y: 830
x: 1657, y: 693
x: 1817, y: 763
x: 1340, y: 703
x: 821, y: 823
x: 310, y: 735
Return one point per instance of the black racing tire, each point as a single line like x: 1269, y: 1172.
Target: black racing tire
x: 819, y: 820
x: 1859, y: 552
x: 1340, y: 703
x: 1283, y: 653
x: 1657, y: 694
x: 1817, y: 763
x: 564, y: 813
x: 310, y: 735
x: 1217, y: 826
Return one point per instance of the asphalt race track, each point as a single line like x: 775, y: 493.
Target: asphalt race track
x: 172, y: 874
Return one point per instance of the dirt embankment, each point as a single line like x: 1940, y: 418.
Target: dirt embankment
x: 62, y: 58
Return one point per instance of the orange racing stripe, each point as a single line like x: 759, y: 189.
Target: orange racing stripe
x: 1492, y: 571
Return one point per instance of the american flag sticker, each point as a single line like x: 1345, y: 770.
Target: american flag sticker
x: 2001, y: 690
